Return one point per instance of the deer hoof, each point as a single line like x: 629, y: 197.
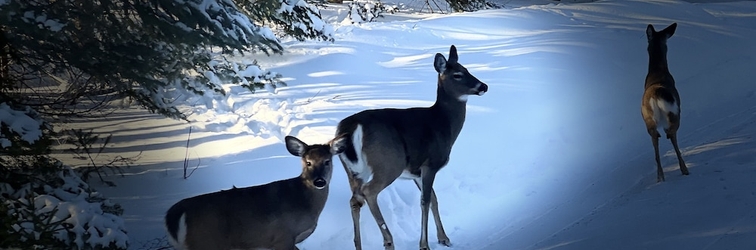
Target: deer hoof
x: 445, y: 242
x: 388, y: 246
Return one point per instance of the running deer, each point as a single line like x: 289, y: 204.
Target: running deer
x: 276, y: 215
x: 661, y: 102
x: 414, y: 143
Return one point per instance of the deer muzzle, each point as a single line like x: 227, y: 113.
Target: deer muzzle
x: 319, y: 183
x: 482, y: 88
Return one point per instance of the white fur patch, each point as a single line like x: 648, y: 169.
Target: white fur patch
x: 463, y: 98
x: 661, y: 108
x: 360, y: 167
x: 179, y: 244
x: 668, y: 107
x: 181, y: 234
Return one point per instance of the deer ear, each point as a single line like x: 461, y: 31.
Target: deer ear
x: 339, y: 145
x: 439, y: 63
x: 669, y: 31
x: 650, y: 31
x: 453, y: 54
x: 295, y: 146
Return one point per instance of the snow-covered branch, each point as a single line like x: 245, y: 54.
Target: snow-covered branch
x: 51, y: 207
x: 20, y: 128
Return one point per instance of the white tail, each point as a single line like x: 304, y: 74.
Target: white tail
x: 276, y: 215
x: 384, y: 144
x: 660, y: 106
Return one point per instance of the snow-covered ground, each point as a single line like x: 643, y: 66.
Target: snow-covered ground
x: 554, y: 156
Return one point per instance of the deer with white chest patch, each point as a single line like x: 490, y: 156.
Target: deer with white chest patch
x: 415, y: 143
x: 276, y: 215
x: 661, y: 102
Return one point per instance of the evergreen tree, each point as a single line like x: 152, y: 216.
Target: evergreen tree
x: 470, y: 5
x: 65, y: 58
x: 295, y: 18
x: 459, y: 5
x: 152, y: 52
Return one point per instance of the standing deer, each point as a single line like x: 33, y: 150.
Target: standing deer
x: 661, y: 102
x: 276, y: 215
x: 415, y: 143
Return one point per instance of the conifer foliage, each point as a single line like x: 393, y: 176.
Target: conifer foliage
x: 72, y: 58
x: 294, y: 18
x: 150, y: 51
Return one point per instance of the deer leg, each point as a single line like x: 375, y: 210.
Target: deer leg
x: 440, y: 233
x: 371, y: 191
x: 683, y: 168
x: 427, y: 176
x: 655, y: 140
x: 356, y: 202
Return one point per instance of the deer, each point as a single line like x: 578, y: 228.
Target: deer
x: 277, y: 215
x: 413, y: 143
x: 660, y: 106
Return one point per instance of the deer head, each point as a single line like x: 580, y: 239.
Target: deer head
x: 454, y: 78
x: 316, y: 159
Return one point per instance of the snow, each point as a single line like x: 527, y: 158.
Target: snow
x: 182, y: 26
x: 245, y: 24
x: 316, y: 24
x: 353, y: 17
x: 21, y: 123
x: 70, y: 204
x: 42, y: 20
x: 554, y: 156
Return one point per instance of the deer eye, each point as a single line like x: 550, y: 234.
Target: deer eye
x: 327, y: 162
x: 309, y: 163
x: 457, y: 76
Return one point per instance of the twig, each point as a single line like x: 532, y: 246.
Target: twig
x: 186, y: 157
x: 316, y: 94
x: 186, y: 152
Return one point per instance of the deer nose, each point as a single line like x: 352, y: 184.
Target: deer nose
x: 319, y: 183
x: 482, y: 88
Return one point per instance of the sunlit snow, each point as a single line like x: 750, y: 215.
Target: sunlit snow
x: 554, y: 156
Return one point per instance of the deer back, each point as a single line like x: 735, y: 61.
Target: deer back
x: 413, y: 137
x: 274, y: 215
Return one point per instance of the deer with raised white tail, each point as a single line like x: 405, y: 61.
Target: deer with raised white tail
x: 415, y: 143
x: 661, y: 102
x: 276, y: 215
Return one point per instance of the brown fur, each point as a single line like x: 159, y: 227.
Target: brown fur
x: 660, y: 86
x: 276, y: 215
x: 415, y: 140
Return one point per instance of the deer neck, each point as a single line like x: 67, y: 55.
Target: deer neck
x: 657, y: 60
x: 451, y: 107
